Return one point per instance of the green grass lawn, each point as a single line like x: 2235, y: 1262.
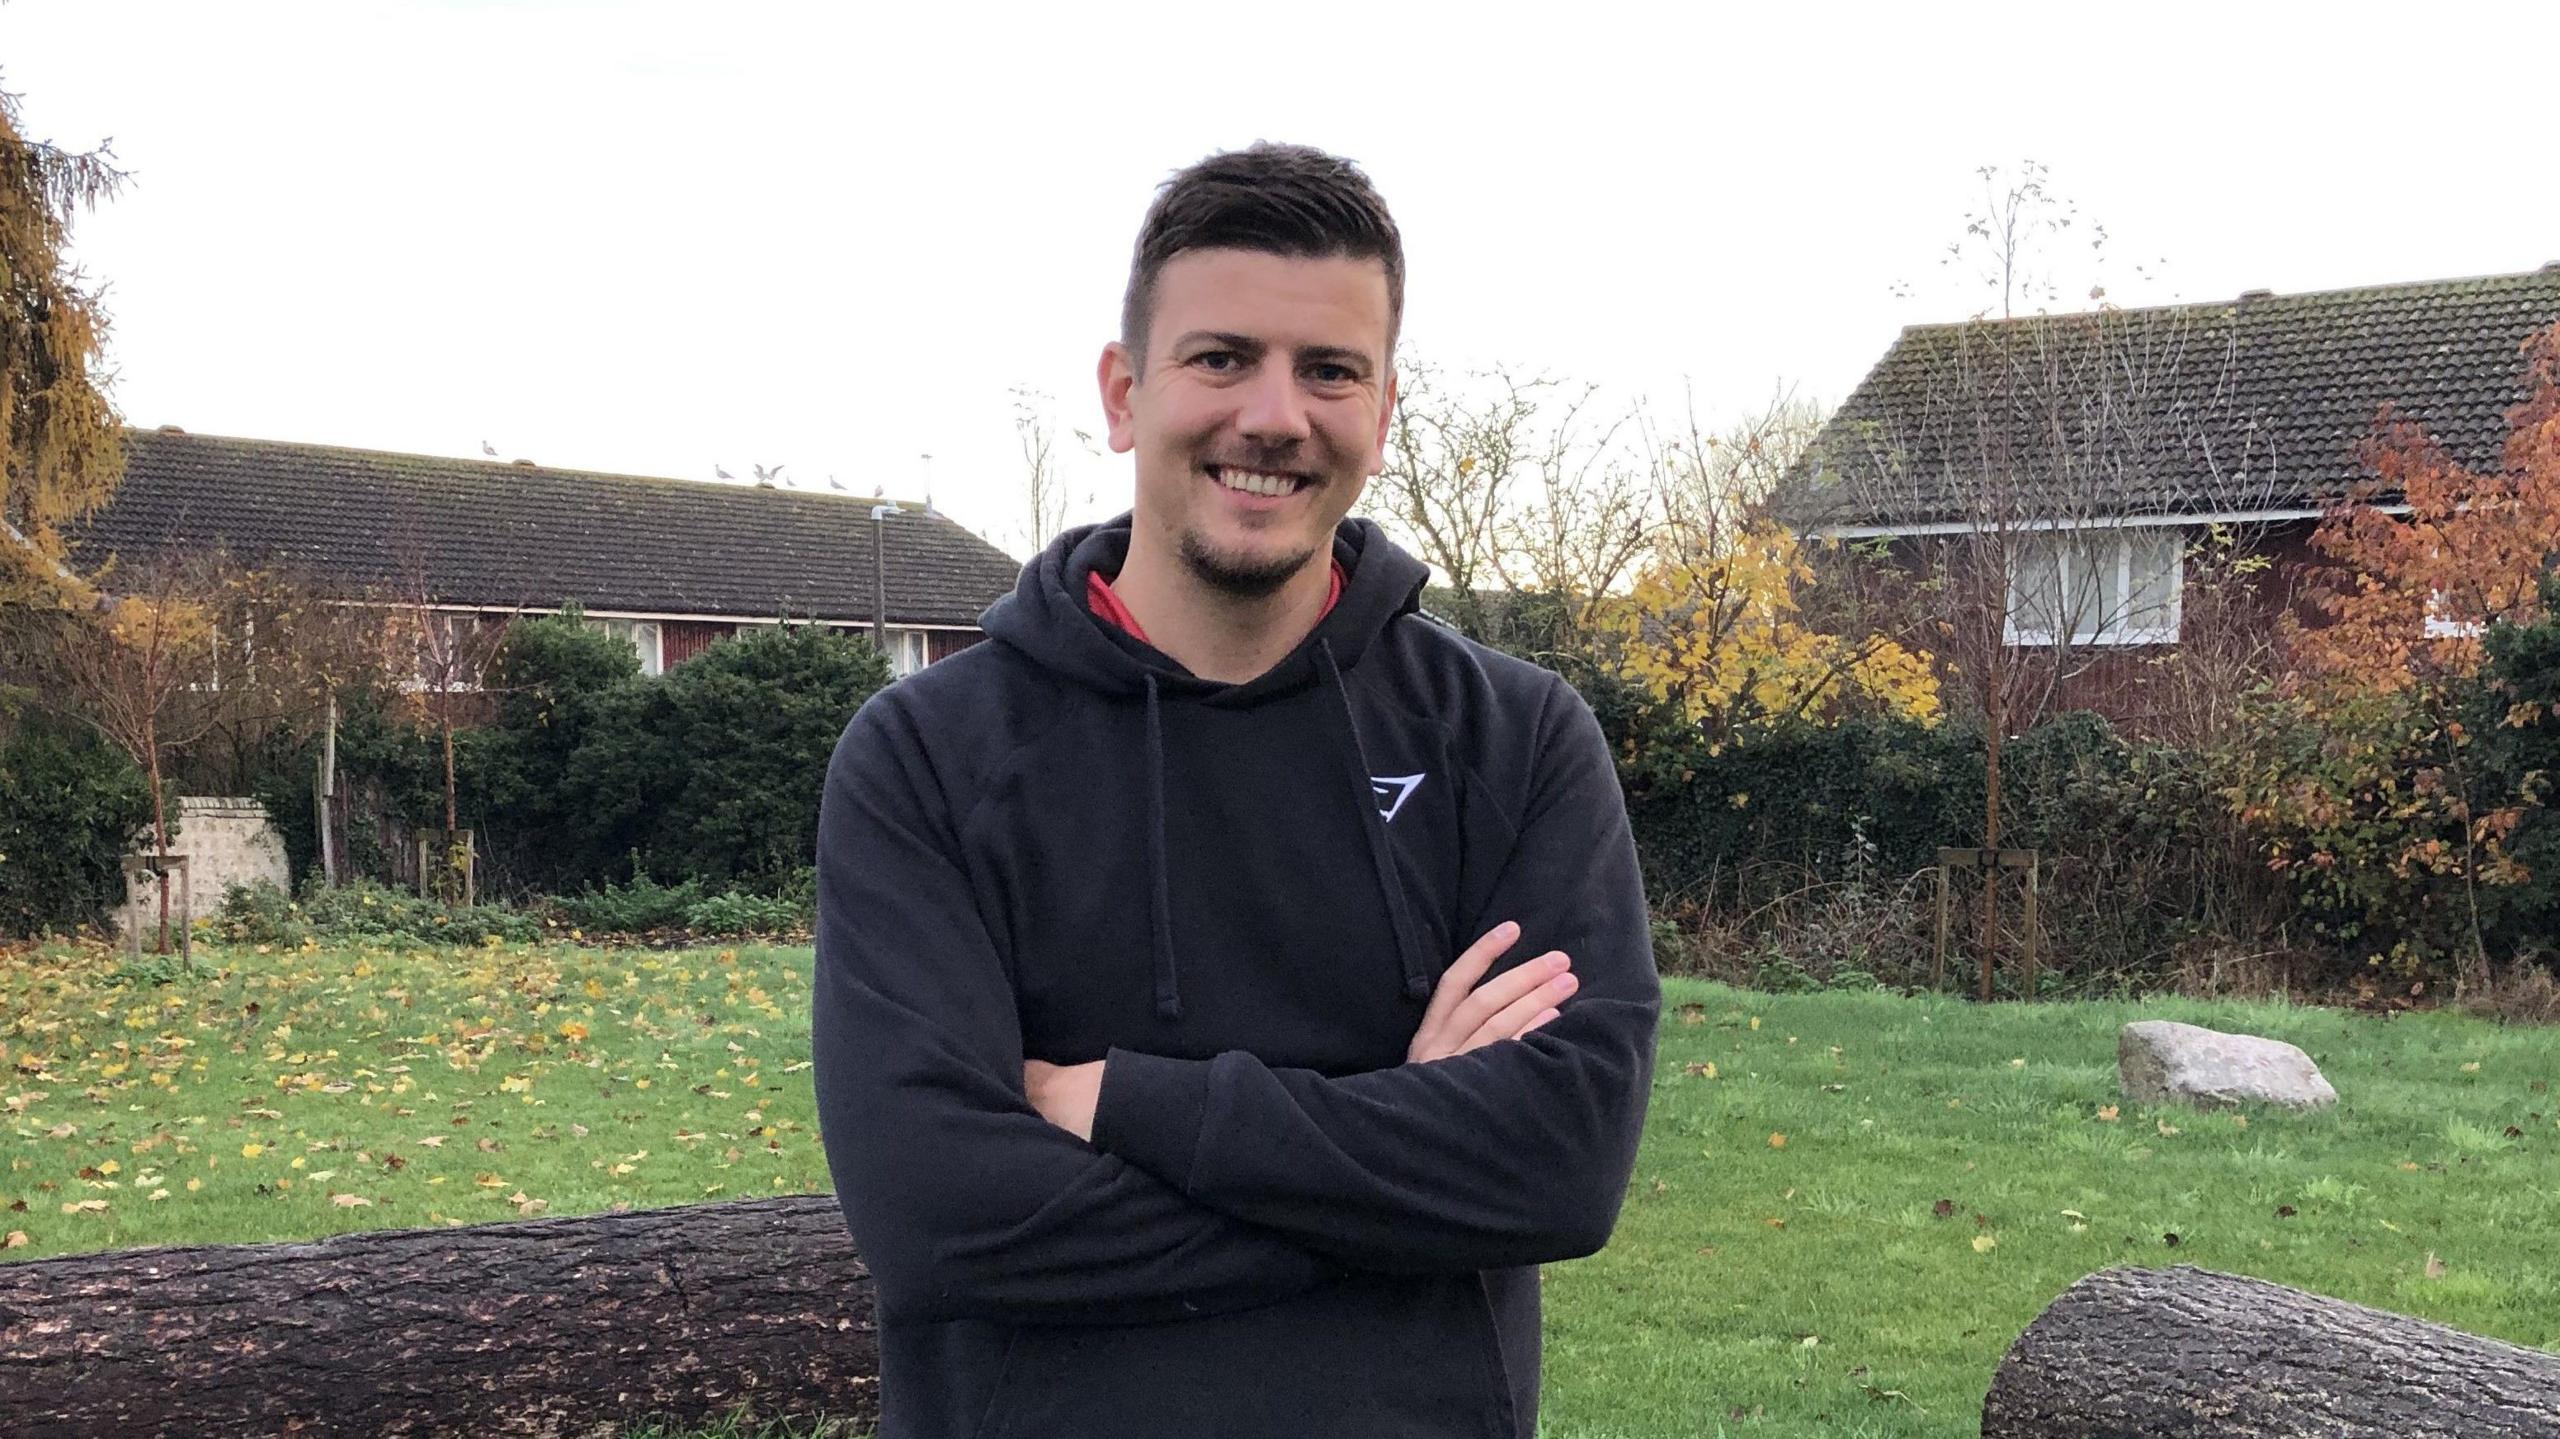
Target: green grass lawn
x: 1847, y: 1207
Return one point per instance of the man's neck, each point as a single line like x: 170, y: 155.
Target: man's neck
x: 1216, y: 635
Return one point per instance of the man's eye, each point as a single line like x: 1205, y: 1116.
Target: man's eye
x: 1218, y: 361
x: 1331, y: 374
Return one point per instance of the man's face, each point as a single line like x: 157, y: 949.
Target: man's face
x: 1261, y: 414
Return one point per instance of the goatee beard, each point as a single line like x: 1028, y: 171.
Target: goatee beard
x: 1242, y: 579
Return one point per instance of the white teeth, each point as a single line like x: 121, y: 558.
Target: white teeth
x: 1253, y: 482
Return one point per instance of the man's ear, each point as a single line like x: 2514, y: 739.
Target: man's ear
x: 1118, y: 375
x: 1386, y: 421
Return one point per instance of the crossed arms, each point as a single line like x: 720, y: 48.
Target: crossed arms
x: 981, y: 1184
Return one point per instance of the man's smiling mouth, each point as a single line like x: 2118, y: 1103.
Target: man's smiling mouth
x: 1272, y: 483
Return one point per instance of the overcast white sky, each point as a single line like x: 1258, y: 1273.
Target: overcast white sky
x: 655, y: 237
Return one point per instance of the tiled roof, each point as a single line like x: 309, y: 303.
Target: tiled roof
x: 2253, y: 404
x: 491, y: 533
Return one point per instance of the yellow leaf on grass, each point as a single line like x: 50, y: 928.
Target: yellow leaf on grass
x: 16, y: 1238
x: 252, y: 1151
x: 350, y: 1201
x: 2107, y: 1113
x: 1777, y: 1141
x: 1984, y: 1244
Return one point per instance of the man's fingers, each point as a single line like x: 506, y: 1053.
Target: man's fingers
x: 1461, y: 976
x: 1523, y: 1014
x: 1505, y: 989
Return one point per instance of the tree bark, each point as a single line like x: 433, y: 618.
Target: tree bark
x: 550, y: 1327
x: 2153, y: 1353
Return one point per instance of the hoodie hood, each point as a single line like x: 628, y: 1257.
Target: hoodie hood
x: 1047, y: 619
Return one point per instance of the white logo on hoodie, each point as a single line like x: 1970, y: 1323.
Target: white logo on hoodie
x: 1392, y: 791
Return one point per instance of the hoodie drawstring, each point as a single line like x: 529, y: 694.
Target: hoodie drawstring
x: 1417, y: 978
x: 1160, y: 884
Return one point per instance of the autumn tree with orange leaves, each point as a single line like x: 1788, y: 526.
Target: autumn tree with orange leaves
x: 2371, y: 788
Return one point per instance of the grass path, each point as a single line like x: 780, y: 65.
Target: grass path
x: 1847, y: 1205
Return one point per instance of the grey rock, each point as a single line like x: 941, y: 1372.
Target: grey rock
x: 2160, y: 1061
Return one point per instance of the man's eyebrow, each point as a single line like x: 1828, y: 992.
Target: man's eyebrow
x: 1350, y: 359
x: 1247, y: 345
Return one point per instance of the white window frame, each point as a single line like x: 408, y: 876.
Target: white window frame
x: 909, y: 651
x: 2117, y: 545
x: 647, y: 639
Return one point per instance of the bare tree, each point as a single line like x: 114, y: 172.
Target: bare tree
x: 1589, y: 512
x: 139, y: 664
x: 1454, y: 451
x: 1045, y: 490
x: 2036, y: 467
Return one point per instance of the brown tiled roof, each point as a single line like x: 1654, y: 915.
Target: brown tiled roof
x: 491, y: 533
x: 2253, y: 404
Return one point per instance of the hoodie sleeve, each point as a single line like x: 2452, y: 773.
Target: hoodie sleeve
x: 964, y: 1201
x: 1514, y: 1153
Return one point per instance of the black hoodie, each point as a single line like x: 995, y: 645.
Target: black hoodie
x: 1063, y: 845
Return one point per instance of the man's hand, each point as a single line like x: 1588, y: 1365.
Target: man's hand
x: 1462, y: 1017
x: 1065, y: 1094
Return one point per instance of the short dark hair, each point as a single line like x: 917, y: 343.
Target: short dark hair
x: 1291, y: 200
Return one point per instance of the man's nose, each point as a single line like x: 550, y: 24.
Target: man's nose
x: 1274, y: 408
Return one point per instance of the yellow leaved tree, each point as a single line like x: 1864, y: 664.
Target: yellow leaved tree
x: 1716, y: 624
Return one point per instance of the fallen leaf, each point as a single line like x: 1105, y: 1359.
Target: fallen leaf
x: 2434, y: 1266
x: 2107, y: 1114
x: 1984, y: 1244
x: 1777, y: 1141
x: 16, y: 1238
x: 1944, y: 1209
x: 350, y: 1201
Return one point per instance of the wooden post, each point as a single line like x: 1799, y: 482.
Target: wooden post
x: 328, y: 790
x: 1946, y: 922
x: 2034, y: 946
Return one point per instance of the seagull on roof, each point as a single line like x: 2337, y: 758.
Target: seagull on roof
x: 766, y: 476
x: 879, y: 492
x: 835, y: 484
x: 488, y: 449
x: 723, y: 474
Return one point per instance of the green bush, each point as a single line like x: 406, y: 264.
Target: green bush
x: 71, y: 806
x: 714, y: 770
x: 640, y: 907
x: 735, y: 913
x: 263, y: 914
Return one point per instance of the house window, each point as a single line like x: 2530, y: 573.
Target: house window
x: 641, y: 635
x: 2096, y: 587
x: 453, y: 647
x: 906, y: 652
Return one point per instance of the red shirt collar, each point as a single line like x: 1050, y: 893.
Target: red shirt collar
x: 1103, y: 600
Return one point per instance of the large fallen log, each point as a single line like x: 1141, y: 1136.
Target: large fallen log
x: 541, y: 1328
x: 2150, y: 1353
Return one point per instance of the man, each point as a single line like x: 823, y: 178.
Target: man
x: 1154, y: 1097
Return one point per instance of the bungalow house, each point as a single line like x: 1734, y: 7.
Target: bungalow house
x: 2080, y: 457
x: 670, y: 565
